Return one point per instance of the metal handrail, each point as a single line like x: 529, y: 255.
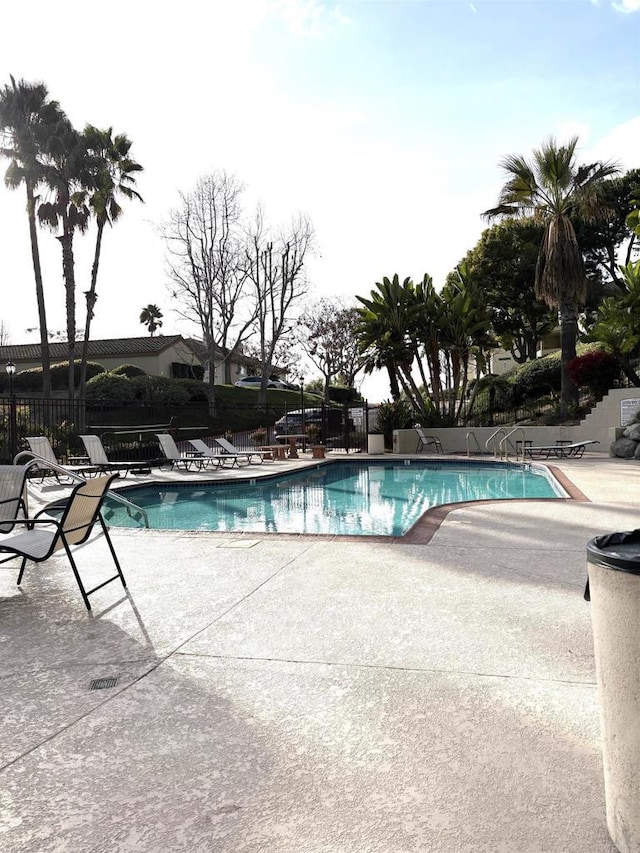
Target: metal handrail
x: 471, y: 434
x: 54, y: 466
x: 504, y: 453
x: 492, y: 436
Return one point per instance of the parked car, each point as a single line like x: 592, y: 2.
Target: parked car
x: 329, y: 419
x: 256, y: 382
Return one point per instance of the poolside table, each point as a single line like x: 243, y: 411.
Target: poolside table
x: 293, y: 442
x: 277, y: 451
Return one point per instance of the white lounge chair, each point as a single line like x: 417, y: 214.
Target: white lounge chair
x: 229, y: 450
x: 41, y: 446
x: 172, y: 454
x: 559, y: 451
x: 98, y: 457
x: 42, y: 537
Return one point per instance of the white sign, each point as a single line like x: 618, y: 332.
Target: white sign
x: 628, y: 409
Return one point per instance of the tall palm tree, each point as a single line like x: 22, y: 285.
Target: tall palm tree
x: 388, y: 327
x: 70, y: 175
x: 151, y: 316
x: 115, y: 177
x: 26, y: 113
x: 553, y: 188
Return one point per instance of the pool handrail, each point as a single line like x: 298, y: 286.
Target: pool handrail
x: 54, y: 466
x: 504, y: 451
x: 471, y: 434
x: 492, y: 436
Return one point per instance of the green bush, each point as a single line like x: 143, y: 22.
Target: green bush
x: 159, y: 389
x: 110, y: 388
x: 196, y: 390
x: 128, y: 370
x: 31, y: 380
x: 60, y: 374
x: 392, y: 415
x: 537, y: 378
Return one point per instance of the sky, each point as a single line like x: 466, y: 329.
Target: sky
x: 384, y: 121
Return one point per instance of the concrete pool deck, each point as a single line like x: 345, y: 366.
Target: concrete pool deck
x: 291, y: 693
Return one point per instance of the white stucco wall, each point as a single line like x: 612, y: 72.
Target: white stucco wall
x: 598, y: 425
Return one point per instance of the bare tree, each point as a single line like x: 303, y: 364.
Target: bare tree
x: 275, y: 268
x: 206, y: 259
x: 329, y: 337
x: 5, y: 335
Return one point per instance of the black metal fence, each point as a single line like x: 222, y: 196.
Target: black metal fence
x: 128, y: 429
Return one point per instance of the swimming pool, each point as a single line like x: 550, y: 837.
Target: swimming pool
x: 340, y: 498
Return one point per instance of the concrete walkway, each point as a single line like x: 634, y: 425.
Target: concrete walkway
x: 288, y: 694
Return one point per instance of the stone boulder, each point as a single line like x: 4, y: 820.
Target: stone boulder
x: 632, y: 432
x: 625, y: 448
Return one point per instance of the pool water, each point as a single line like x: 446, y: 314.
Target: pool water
x: 344, y: 498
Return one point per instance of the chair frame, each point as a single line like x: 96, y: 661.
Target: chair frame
x: 427, y: 441
x: 70, y: 530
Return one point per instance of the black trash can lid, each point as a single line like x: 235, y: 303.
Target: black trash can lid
x: 619, y: 551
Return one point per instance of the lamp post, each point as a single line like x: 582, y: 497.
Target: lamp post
x: 11, y: 369
x: 302, y: 409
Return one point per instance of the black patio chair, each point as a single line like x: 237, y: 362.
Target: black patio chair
x: 80, y: 515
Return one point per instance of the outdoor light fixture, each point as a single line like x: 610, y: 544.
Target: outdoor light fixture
x: 302, y: 401
x: 11, y: 369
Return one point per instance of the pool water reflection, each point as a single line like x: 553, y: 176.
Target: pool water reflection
x: 343, y: 498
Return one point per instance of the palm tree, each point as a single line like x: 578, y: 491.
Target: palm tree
x: 385, y: 322
x: 115, y: 177
x: 70, y: 174
x: 552, y: 189
x: 151, y: 316
x: 26, y: 113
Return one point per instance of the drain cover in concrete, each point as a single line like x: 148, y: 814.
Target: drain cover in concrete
x: 103, y: 683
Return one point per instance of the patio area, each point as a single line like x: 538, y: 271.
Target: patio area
x: 284, y: 694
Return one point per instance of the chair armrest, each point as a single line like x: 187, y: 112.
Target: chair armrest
x: 36, y: 520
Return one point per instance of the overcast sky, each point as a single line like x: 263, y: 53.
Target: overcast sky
x: 384, y: 120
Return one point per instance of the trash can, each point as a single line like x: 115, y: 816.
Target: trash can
x: 614, y: 590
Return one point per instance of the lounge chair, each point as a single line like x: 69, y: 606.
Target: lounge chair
x: 217, y: 454
x: 559, y: 451
x: 41, y: 446
x: 204, y: 452
x: 178, y: 459
x: 98, y: 458
x: 42, y: 537
x: 229, y: 450
x: 427, y: 441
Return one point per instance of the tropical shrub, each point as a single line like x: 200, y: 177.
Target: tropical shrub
x: 598, y: 371
x: 393, y: 414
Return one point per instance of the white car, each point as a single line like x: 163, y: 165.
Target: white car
x: 256, y: 382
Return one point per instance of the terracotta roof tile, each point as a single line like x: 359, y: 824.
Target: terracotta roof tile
x: 112, y: 347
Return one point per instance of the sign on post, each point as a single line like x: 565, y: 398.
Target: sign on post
x: 628, y: 408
